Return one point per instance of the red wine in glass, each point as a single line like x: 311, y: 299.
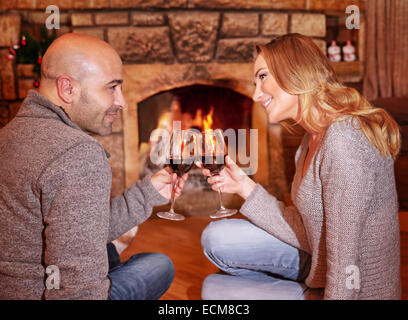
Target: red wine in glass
x: 180, y: 160
x: 180, y: 166
x: 214, y: 151
x: 210, y: 162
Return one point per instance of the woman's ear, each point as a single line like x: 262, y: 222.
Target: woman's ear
x: 66, y: 88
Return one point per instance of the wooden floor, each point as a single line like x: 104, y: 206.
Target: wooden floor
x: 180, y: 240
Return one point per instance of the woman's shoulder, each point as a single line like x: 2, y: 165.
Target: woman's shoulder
x: 348, y: 128
x: 345, y: 136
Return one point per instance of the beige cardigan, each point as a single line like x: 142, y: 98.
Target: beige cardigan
x: 345, y: 216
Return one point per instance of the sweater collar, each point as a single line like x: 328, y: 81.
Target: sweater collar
x: 35, y: 105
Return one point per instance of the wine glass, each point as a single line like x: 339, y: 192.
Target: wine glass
x: 180, y: 160
x: 213, y: 158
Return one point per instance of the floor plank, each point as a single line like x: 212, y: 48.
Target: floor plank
x: 180, y: 240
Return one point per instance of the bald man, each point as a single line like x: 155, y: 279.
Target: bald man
x: 56, y: 217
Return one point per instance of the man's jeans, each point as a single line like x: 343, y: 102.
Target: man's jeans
x: 254, y: 265
x: 145, y: 276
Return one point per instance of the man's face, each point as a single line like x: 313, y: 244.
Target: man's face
x: 100, y: 97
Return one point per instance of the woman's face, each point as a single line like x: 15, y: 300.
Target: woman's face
x: 278, y: 104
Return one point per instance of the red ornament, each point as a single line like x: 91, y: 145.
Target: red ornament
x: 23, y: 41
x: 36, y: 84
x: 11, y: 54
x: 39, y: 60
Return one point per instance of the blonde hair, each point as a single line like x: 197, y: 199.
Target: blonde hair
x: 299, y: 67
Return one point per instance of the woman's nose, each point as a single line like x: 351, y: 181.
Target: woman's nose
x: 257, y: 94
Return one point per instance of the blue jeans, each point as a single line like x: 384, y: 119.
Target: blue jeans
x: 254, y: 264
x: 145, y: 276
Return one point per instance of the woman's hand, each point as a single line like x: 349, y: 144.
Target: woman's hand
x: 163, y: 181
x: 231, y: 179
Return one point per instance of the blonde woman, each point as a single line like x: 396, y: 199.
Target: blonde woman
x: 340, y: 239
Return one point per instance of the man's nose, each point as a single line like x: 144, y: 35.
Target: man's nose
x: 120, y: 100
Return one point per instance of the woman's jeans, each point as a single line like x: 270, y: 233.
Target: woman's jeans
x: 254, y: 265
x: 145, y: 276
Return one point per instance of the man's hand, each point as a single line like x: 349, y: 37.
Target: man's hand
x: 163, y: 181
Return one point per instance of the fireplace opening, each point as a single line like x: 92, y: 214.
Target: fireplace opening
x: 192, y: 105
x: 199, y: 107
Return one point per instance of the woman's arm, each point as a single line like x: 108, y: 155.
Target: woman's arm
x: 283, y: 222
x: 264, y: 210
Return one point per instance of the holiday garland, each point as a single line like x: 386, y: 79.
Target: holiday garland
x: 31, y: 51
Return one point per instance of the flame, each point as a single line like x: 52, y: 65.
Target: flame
x: 198, y: 120
x: 165, y: 121
x: 208, y: 121
x: 207, y: 125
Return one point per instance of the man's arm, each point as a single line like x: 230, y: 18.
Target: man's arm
x: 133, y: 207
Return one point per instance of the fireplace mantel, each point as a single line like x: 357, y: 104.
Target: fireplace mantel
x: 144, y: 80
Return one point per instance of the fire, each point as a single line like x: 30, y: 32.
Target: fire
x: 198, y: 119
x: 205, y: 122
x: 207, y: 125
x: 165, y: 120
x: 208, y: 121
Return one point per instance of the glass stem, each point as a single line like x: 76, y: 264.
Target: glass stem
x: 219, y: 194
x: 173, y: 191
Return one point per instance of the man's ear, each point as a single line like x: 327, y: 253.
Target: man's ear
x: 66, y: 88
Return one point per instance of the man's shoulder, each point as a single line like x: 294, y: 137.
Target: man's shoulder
x: 73, y: 152
x: 66, y: 138
x: 46, y: 139
x: 58, y: 133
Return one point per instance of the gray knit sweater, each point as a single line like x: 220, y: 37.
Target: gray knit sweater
x: 345, y: 216
x: 55, y: 206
